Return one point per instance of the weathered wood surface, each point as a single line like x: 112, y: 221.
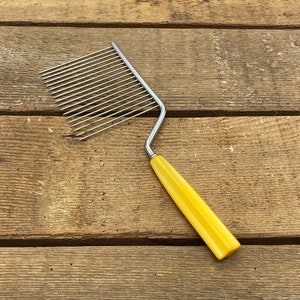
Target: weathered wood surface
x: 254, y: 272
x: 153, y: 12
x: 203, y: 58
x: 191, y: 70
x: 52, y: 186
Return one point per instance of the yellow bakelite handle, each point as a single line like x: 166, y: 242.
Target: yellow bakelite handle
x: 211, y: 229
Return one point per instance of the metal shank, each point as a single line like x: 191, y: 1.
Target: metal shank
x: 161, y: 117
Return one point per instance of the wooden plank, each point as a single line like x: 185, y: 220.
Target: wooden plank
x: 54, y: 187
x: 194, y: 69
x: 254, y: 272
x: 153, y: 12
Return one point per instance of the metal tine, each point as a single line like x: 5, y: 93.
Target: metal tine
x: 108, y: 98
x: 66, y: 79
x: 91, y: 82
x: 74, y: 60
x: 78, y: 81
x: 121, y: 121
x: 72, y: 118
x: 113, y: 114
x: 117, y: 123
x: 101, y: 103
x: 102, y: 124
x: 61, y: 76
x: 89, y: 66
x: 104, y: 111
x: 82, y: 65
x: 58, y: 99
x: 93, y: 97
x: 76, y: 64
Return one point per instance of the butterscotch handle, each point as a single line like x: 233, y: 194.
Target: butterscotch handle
x: 211, y: 229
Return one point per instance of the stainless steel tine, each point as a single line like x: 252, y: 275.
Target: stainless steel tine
x: 73, y: 61
x: 103, y: 110
x: 91, y: 81
x: 103, y: 96
x: 98, y: 91
x: 128, y: 113
x: 78, y: 81
x: 100, y: 104
x: 58, y: 78
x: 117, y: 123
x: 58, y: 99
x: 77, y: 64
x: 111, y: 115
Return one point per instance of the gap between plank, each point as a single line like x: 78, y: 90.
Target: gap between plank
x: 150, y: 25
x: 173, y: 113
x: 59, y: 242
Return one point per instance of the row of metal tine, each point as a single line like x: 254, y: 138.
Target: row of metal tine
x: 96, y: 92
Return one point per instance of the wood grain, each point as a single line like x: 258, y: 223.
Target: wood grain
x: 153, y: 12
x: 52, y: 186
x: 254, y: 272
x: 203, y: 58
x: 191, y: 70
